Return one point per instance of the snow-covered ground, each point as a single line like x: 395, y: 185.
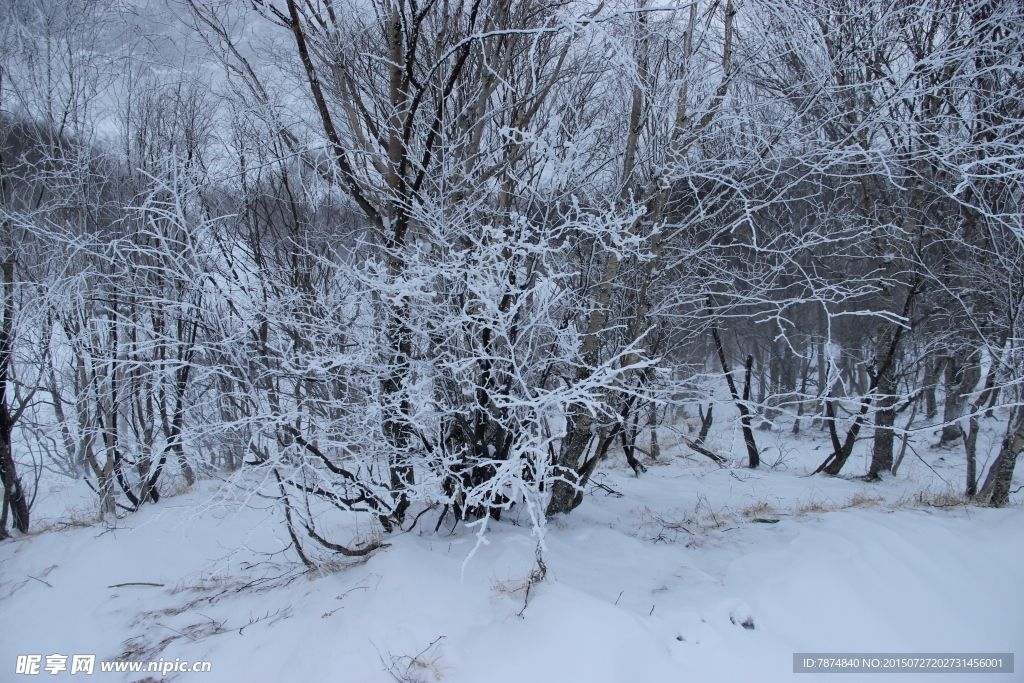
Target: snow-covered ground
x: 656, y: 578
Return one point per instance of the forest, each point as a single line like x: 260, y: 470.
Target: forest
x: 443, y: 263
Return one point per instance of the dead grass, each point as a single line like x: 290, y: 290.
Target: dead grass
x: 176, y: 487
x: 73, y: 518
x: 155, y: 635
x: 414, y: 668
x: 813, y: 506
x: 759, y: 509
x: 40, y: 578
x: 513, y: 588
x: 945, y: 498
x: 334, y: 565
x: 694, y: 527
x: 863, y: 499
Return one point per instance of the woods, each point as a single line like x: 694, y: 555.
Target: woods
x: 396, y: 257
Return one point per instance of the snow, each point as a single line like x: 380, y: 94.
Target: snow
x: 651, y: 579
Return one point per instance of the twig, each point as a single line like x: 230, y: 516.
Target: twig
x: 184, y: 635
x: 535, y: 577
x: 719, y: 460
x: 134, y: 583
x: 610, y: 490
x: 425, y: 511
x: 929, y: 466
x: 386, y: 667
x: 390, y: 668
x: 424, y: 650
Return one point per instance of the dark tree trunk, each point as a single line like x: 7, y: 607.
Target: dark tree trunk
x: 932, y: 370
x: 971, y: 437
x: 705, y: 422
x: 904, y: 439
x: 15, y: 499
x: 996, y: 490
x: 803, y: 391
x: 882, y: 447
x: 834, y: 463
x: 653, y: 424
x: 961, y: 376
x: 885, y: 357
x: 768, y: 397
x: 628, y: 433
x: 971, y: 448
x: 885, y: 417
x: 753, y: 459
x: 953, y: 376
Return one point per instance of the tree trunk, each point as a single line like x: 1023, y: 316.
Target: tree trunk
x: 653, y: 424
x: 932, y: 370
x: 882, y: 447
x: 961, y: 376
x: 14, y: 498
x: 753, y: 459
x: 14, y: 494
x: 885, y: 416
x: 996, y: 490
x: 971, y: 437
x: 706, y: 419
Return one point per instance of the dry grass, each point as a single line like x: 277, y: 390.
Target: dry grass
x: 863, y: 499
x: 40, y: 578
x: 945, y: 498
x: 813, y: 506
x: 175, y: 487
x: 334, y: 565
x: 72, y: 518
x: 693, y: 528
x: 759, y: 509
x: 513, y: 588
x: 413, y: 668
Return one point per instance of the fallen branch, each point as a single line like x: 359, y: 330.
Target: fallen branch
x: 719, y: 460
x: 610, y: 490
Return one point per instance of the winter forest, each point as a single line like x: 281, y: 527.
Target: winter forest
x: 598, y: 292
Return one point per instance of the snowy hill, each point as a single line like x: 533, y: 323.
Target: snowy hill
x: 688, y: 573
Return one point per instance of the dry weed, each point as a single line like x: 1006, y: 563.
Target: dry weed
x: 814, y: 506
x: 513, y: 588
x: 863, y: 499
x: 946, y: 498
x: 412, y: 669
x: 759, y: 509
